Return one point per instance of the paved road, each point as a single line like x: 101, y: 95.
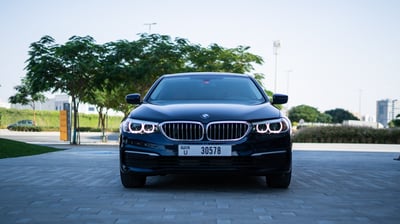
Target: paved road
x: 54, y: 137
x: 81, y: 185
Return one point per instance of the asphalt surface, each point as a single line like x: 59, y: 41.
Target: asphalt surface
x: 331, y: 183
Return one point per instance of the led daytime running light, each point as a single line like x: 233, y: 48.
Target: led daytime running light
x: 145, y: 127
x: 266, y: 127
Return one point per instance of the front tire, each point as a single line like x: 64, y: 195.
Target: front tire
x: 281, y: 180
x: 132, y: 180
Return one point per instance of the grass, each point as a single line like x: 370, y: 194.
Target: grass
x: 48, y: 120
x: 11, y: 149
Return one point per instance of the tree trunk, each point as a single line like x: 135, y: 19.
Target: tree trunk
x: 75, y: 126
x: 101, y: 123
x: 103, y: 127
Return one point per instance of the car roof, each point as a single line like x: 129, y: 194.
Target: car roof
x: 204, y: 73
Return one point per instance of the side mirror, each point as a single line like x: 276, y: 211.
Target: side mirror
x: 279, y: 99
x: 133, y: 98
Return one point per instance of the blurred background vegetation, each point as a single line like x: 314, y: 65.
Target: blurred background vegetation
x: 102, y: 75
x: 50, y: 120
x: 347, y: 134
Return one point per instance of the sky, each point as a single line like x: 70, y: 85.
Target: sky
x: 333, y: 53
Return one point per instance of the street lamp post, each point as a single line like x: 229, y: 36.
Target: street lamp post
x: 288, y: 80
x: 359, y: 103
x: 288, y: 86
x: 277, y: 44
x: 149, y: 25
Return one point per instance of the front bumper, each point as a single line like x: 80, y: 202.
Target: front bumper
x: 253, y: 155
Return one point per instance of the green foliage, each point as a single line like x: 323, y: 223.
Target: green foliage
x: 340, y: 115
x: 104, y: 74
x: 395, y: 123
x: 25, y: 95
x: 10, y: 116
x: 10, y: 149
x: 324, y: 118
x: 311, y: 114
x: 50, y: 120
x: 44, y: 119
x: 303, y: 112
x: 308, y: 114
x: 347, y: 134
x: 220, y: 59
x: 68, y: 68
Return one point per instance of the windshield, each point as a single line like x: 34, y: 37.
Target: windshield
x: 206, y: 89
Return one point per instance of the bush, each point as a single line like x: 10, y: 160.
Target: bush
x: 26, y: 128
x: 347, y: 134
x: 90, y: 129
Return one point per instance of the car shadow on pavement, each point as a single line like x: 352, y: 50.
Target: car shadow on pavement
x: 200, y: 182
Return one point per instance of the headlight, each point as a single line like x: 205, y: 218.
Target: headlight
x: 139, y: 127
x: 275, y: 126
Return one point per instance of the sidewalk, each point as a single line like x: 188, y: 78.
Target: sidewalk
x: 54, y: 137
x: 82, y: 185
x: 347, y: 147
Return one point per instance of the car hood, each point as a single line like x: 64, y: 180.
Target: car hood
x: 205, y: 112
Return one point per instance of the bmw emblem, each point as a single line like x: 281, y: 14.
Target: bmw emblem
x: 205, y: 116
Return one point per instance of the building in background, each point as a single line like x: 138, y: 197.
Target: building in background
x: 387, y: 110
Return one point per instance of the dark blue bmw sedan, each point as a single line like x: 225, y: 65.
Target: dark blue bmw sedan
x: 192, y: 123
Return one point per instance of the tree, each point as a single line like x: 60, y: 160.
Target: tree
x: 303, y: 112
x: 308, y: 114
x: 220, y: 59
x: 67, y: 68
x: 134, y: 66
x: 104, y: 74
x: 98, y: 98
x: 395, y: 123
x: 26, y: 96
x: 339, y: 115
x: 324, y: 118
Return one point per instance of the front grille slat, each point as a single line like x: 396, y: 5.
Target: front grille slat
x: 183, y: 130
x: 227, y: 130
x: 214, y: 131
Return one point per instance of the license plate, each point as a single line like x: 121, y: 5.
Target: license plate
x: 205, y: 150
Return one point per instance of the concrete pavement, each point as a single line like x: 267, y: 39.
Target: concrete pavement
x: 331, y: 184
x: 54, y: 137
